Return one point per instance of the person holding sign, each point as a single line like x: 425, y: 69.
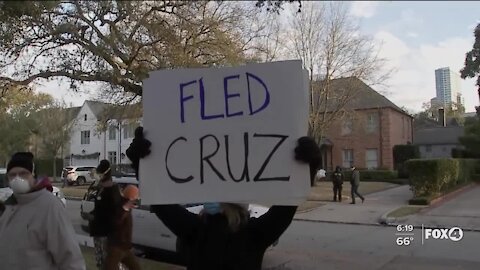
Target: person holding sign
x: 224, y: 236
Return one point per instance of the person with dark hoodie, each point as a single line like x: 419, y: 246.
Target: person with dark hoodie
x: 111, y: 225
x: 337, y: 184
x: 35, y: 231
x: 224, y: 236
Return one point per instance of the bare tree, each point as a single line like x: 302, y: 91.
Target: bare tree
x: 331, y: 47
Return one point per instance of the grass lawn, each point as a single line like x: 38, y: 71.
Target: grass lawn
x: 405, y: 211
x: 145, y: 264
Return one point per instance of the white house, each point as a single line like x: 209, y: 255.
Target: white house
x: 89, y: 144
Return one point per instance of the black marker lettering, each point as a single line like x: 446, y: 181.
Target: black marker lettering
x: 207, y: 158
x: 264, y: 165
x: 172, y: 177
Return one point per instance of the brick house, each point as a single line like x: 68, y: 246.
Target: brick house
x: 366, y: 134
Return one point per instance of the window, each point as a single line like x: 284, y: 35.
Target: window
x: 403, y: 127
x: 428, y: 148
x: 85, y: 137
x: 112, y: 132
x: 372, y: 122
x: 347, y: 127
x: 347, y: 157
x: 129, y: 130
x: 85, y: 117
x: 112, y: 157
x: 371, y: 158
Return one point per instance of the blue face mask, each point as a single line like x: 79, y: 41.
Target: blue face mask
x: 211, y: 208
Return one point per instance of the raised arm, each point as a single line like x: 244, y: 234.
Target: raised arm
x: 178, y: 219
x: 270, y: 226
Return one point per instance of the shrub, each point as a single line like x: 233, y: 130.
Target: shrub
x: 429, y: 177
x: 420, y: 201
x: 44, y: 167
x: 463, y: 153
x: 377, y: 175
x: 402, y: 153
x: 369, y: 175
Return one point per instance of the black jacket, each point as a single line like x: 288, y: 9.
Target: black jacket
x: 211, y: 245
x: 107, y: 202
x: 337, y: 178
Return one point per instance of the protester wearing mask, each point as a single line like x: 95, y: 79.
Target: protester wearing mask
x: 119, y: 248
x: 35, y: 231
x: 224, y: 236
x: 110, y: 227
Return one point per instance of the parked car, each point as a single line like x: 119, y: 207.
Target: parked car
x: 149, y: 233
x: 6, y: 191
x: 78, y: 175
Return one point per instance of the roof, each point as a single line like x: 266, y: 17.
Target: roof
x: 362, y: 95
x: 73, y: 112
x: 97, y: 107
x: 422, y: 123
x: 102, y: 109
x: 438, y: 135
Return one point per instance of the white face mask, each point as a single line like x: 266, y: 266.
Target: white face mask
x: 20, y: 185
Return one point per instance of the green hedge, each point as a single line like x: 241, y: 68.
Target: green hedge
x: 44, y: 167
x: 430, y: 177
x: 377, y: 175
x: 369, y: 175
x: 462, y: 153
x: 402, y: 153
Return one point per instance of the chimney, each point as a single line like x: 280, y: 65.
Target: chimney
x: 441, y: 117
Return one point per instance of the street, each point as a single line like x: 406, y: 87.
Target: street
x: 318, y: 245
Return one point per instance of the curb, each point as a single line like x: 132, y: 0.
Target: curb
x: 386, y: 220
x: 340, y: 222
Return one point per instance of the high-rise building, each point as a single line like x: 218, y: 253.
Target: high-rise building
x: 447, y: 84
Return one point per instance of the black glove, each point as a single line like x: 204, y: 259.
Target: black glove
x: 308, y: 151
x: 139, y: 148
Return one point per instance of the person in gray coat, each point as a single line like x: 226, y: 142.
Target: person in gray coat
x: 35, y: 230
x: 355, y: 182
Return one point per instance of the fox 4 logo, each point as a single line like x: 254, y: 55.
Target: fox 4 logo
x: 454, y: 234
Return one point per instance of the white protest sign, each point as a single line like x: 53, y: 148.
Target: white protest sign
x: 225, y: 135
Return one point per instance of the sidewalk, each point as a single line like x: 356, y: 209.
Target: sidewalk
x: 368, y: 213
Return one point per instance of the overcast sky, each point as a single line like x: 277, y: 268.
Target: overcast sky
x: 416, y: 38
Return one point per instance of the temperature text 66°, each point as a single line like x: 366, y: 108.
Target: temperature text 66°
x: 404, y: 241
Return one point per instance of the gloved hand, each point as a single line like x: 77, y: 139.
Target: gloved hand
x: 308, y: 151
x: 139, y: 148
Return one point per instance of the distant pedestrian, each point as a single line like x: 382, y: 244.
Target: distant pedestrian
x: 35, y: 230
x: 355, y: 182
x: 337, y: 181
